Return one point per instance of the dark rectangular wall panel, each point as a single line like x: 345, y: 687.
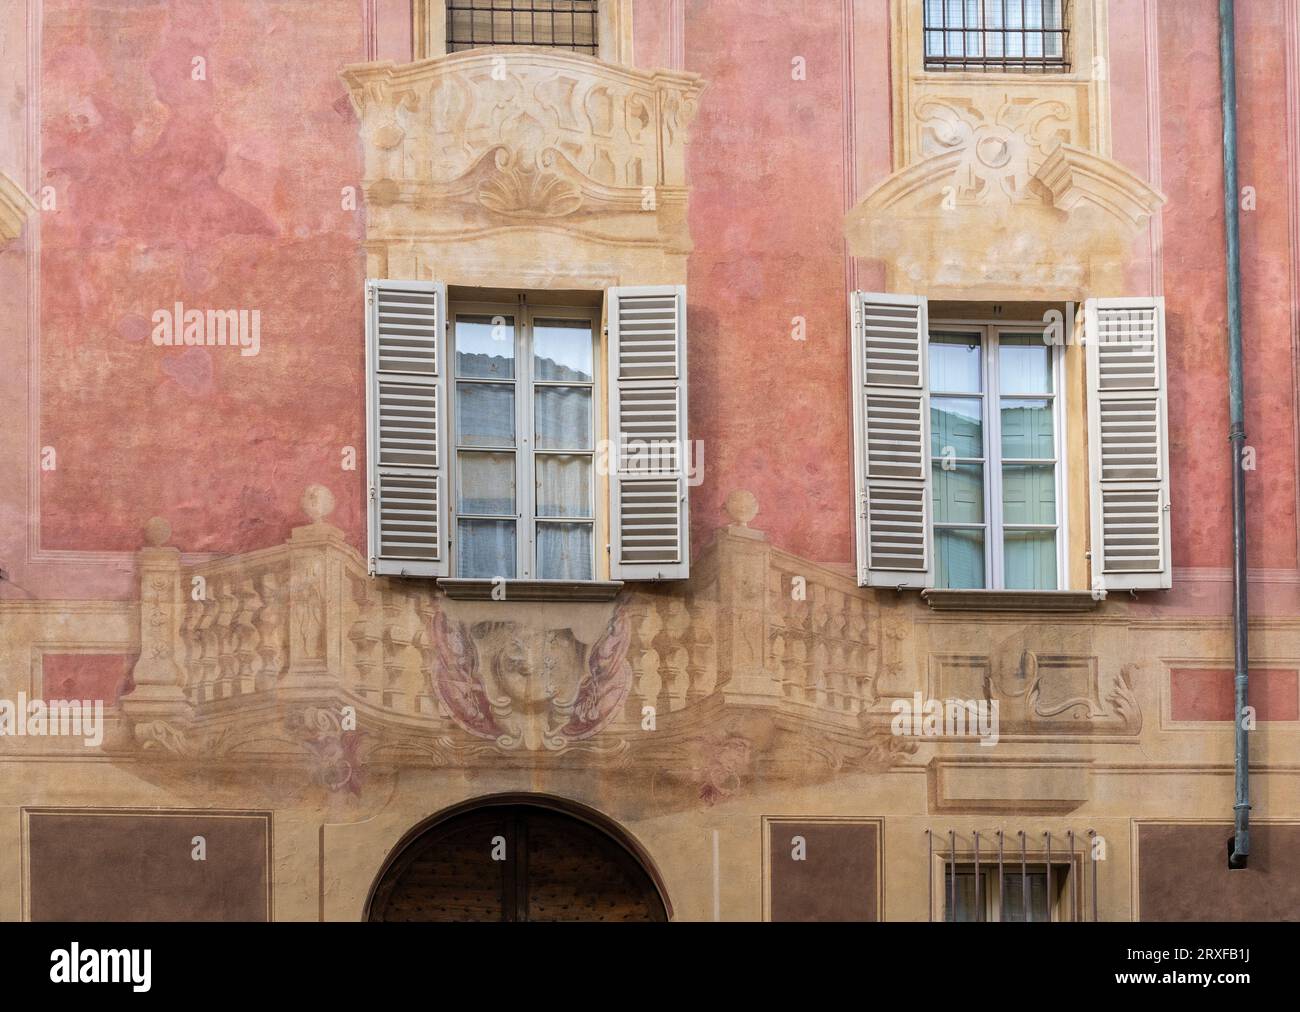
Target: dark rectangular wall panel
x: 138, y: 866
x: 1183, y: 874
x: 838, y: 878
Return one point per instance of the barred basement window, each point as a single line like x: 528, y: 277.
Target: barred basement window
x: 997, y: 36
x: 553, y: 24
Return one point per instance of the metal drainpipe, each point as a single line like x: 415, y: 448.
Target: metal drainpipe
x: 1239, y: 845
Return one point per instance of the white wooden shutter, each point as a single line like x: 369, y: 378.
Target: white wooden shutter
x: 1128, y: 443
x: 649, y: 514
x: 891, y: 415
x: 406, y: 401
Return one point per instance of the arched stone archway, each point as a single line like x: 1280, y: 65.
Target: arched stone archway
x: 517, y: 858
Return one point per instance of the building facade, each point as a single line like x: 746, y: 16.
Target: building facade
x: 642, y: 459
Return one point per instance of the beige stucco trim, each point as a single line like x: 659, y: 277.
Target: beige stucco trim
x: 15, y: 208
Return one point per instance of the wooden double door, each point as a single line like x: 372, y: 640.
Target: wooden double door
x: 516, y: 862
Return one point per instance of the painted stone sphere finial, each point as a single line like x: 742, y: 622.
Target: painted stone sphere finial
x: 156, y: 532
x: 317, y: 503
x: 742, y: 507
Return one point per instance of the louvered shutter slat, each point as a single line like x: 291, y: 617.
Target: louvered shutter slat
x: 647, y: 424
x: 1128, y: 444
x: 406, y: 395
x: 891, y: 409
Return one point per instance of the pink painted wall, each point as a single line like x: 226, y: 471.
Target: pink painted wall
x: 220, y: 193
x: 767, y: 169
x: 226, y: 193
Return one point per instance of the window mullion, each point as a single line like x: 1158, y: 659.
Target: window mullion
x: 525, y: 462
x: 1061, y: 445
x: 993, y: 458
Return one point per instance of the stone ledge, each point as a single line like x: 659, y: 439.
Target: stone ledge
x: 1010, y: 600
x: 532, y: 590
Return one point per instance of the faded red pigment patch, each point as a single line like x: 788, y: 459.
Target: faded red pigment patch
x: 164, y: 141
x: 1207, y: 693
x: 87, y: 676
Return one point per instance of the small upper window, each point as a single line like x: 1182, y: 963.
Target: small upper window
x: 997, y: 36
x: 554, y: 24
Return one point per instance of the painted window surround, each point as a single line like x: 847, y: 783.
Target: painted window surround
x: 1003, y: 185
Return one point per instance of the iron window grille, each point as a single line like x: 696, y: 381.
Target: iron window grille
x: 553, y: 24
x: 1016, y: 875
x: 997, y: 36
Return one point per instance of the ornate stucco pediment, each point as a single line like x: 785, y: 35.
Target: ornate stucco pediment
x: 1005, y: 204
x: 464, y: 147
x: 1003, y: 187
x: 15, y: 208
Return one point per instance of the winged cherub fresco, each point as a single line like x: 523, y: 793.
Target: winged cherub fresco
x: 529, y: 688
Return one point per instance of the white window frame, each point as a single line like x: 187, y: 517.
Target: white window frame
x: 989, y: 331
x: 525, y: 449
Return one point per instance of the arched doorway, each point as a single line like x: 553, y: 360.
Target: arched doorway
x: 508, y: 859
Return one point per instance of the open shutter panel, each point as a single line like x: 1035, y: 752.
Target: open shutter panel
x: 1128, y: 445
x: 647, y: 430
x: 891, y: 410
x: 406, y: 417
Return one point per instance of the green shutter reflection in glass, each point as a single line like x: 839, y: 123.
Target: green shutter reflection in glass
x: 1029, y: 494
x: 1024, y: 364
x: 956, y: 427
x: 959, y: 555
x: 1027, y: 431
x: 958, y: 493
x: 955, y: 363
x: 1029, y: 560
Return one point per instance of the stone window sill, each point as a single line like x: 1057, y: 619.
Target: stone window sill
x: 531, y: 590
x: 1010, y: 600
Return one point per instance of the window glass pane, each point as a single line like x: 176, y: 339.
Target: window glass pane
x: 956, y: 427
x: 485, y: 347
x: 1013, y: 907
x: 563, y: 485
x: 1027, y: 429
x: 965, y: 889
x: 1029, y: 560
x: 1029, y: 494
x: 486, y: 484
x: 955, y: 363
x: 485, y: 549
x: 485, y: 414
x: 563, y: 418
x: 562, y: 350
x: 960, y: 557
x: 1024, y: 364
x: 958, y: 493
x: 564, y: 551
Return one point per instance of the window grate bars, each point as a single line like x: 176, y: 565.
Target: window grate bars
x: 997, y: 36
x: 551, y: 24
x: 997, y: 859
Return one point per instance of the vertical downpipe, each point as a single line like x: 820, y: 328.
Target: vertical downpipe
x: 1239, y: 845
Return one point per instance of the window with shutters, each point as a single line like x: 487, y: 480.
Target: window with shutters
x: 532, y: 437
x: 976, y: 463
x: 995, y: 454
x: 524, y: 431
